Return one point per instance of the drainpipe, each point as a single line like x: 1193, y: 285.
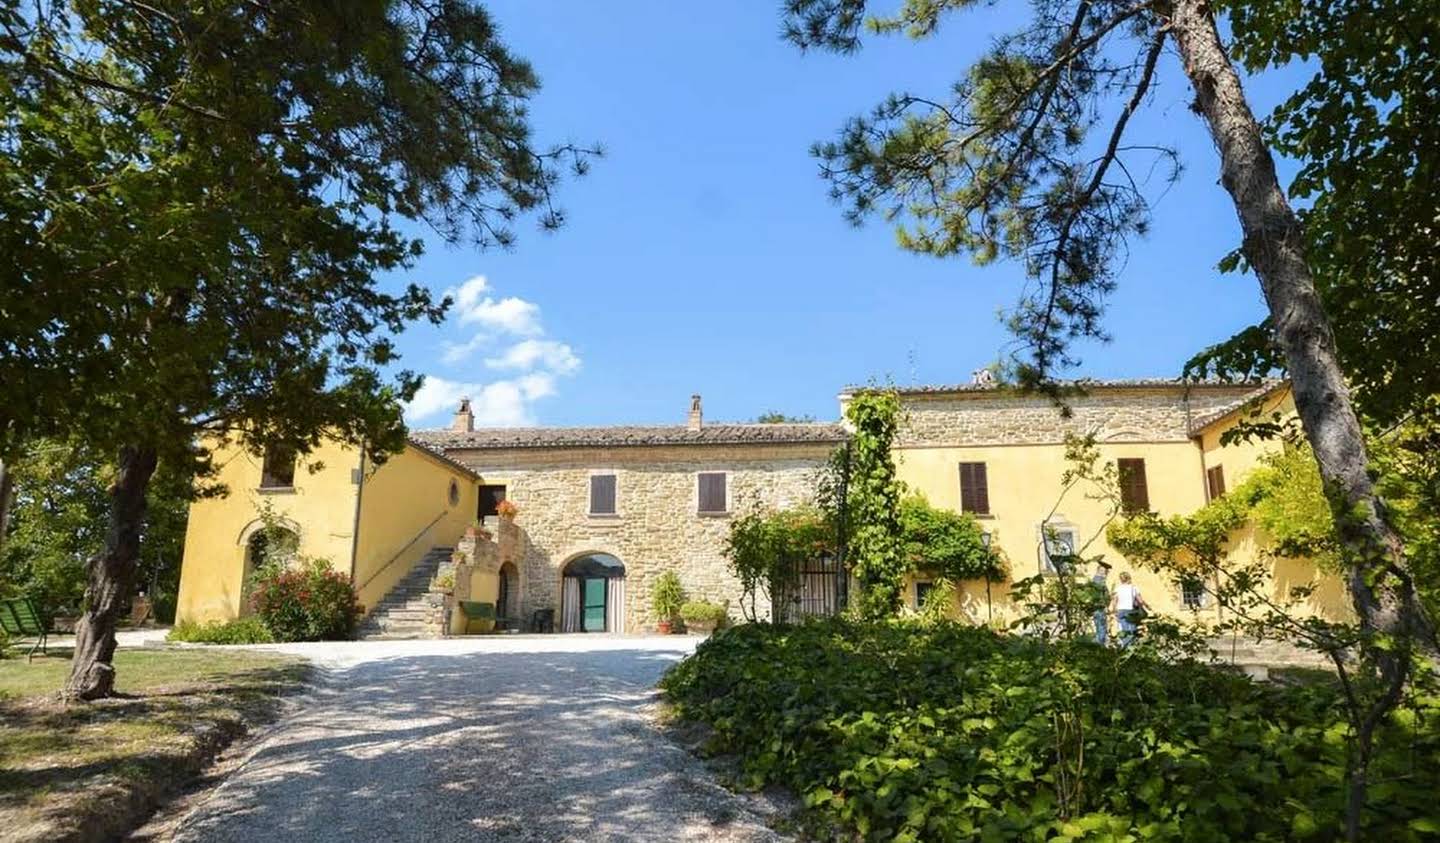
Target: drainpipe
x: 355, y: 527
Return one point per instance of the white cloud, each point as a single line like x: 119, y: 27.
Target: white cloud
x: 557, y: 357
x: 454, y: 352
x: 504, y: 403
x: 510, y: 315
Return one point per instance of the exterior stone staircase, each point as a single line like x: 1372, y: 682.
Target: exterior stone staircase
x: 411, y: 609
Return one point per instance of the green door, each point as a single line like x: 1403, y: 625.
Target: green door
x: 593, y: 612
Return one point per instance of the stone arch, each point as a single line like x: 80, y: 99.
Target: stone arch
x: 507, y: 602
x: 592, y: 593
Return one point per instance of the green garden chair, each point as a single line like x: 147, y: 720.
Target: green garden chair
x: 21, y: 618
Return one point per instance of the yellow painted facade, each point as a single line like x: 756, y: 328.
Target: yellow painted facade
x: 391, y: 506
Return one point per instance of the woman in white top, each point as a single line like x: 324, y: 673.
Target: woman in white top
x: 1125, y: 600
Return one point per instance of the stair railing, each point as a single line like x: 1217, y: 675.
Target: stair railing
x: 401, y: 552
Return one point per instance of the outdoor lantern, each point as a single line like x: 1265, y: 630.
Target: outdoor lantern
x: 985, y: 540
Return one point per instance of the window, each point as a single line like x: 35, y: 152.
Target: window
x: 602, y: 494
x: 922, y: 591
x: 974, y: 489
x: 278, y: 471
x: 1134, y: 494
x: 1057, y: 548
x: 712, y: 493
x: 1192, y: 594
x: 491, y: 496
x: 454, y: 493
x: 1215, y: 481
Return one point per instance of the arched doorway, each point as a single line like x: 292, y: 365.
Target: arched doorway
x: 507, y: 605
x: 274, y: 545
x: 592, y: 594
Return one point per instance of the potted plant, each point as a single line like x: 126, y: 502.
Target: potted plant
x: 666, y: 598
x: 507, y: 510
x: 703, y: 616
x: 444, y: 583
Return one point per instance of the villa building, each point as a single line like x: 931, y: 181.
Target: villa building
x: 600, y: 512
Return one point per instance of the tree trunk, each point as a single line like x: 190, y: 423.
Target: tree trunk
x: 112, y: 575
x: 1379, y: 580
x: 7, y: 491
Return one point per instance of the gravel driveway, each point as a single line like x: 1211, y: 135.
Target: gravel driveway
x: 500, y: 738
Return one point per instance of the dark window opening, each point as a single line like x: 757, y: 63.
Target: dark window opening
x: 602, y: 494
x: 1215, y: 481
x: 491, y: 496
x: 1134, y: 493
x: 974, y: 488
x: 1192, y: 594
x: 922, y: 591
x: 712, y: 492
x: 278, y: 471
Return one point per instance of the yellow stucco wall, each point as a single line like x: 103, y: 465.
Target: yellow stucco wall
x: 405, y: 510
x: 1239, y: 458
x: 1024, y: 483
x: 320, y: 509
x: 398, y: 501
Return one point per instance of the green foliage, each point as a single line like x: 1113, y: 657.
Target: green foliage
x: 874, y: 547
x: 308, y: 601
x: 945, y: 543
x: 701, y: 611
x: 1408, y: 464
x: 248, y: 630
x: 666, y: 596
x: 949, y: 732
x: 765, y: 550
x: 57, y: 523
x: 1363, y: 132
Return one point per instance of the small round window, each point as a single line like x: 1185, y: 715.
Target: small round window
x: 454, y: 493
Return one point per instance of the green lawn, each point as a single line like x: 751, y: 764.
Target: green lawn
x: 91, y: 772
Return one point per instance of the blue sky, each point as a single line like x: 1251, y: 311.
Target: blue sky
x: 703, y: 255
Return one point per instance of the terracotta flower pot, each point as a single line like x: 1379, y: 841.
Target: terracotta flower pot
x: 664, y: 627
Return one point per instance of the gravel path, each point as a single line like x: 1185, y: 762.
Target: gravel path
x: 514, y: 738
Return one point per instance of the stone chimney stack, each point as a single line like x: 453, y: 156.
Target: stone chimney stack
x: 464, y: 419
x: 696, y: 416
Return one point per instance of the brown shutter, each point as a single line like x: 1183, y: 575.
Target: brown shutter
x: 602, y: 494
x: 1215, y: 478
x: 974, y: 488
x: 278, y: 469
x: 712, y: 492
x: 1134, y: 492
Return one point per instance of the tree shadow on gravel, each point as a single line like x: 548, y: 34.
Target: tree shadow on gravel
x: 487, y: 746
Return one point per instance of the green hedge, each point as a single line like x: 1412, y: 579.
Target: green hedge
x: 952, y: 732
x: 249, y: 630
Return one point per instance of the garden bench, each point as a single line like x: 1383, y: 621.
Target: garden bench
x: 20, y: 618
x: 481, y: 614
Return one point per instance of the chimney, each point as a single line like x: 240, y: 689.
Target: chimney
x: 464, y: 419
x: 696, y: 416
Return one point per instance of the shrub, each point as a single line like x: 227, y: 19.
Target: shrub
x: 666, y: 596
x: 701, y: 611
x: 308, y: 602
x: 249, y: 630
x: 907, y: 731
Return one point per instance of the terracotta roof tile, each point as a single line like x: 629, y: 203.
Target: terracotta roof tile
x: 630, y: 435
x: 1081, y: 383
x: 1267, y: 388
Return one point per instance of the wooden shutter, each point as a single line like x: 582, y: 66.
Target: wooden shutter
x: 602, y: 494
x: 1134, y: 493
x: 974, y: 488
x: 1215, y: 480
x: 712, y: 492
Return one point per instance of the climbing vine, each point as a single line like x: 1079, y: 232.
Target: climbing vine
x: 875, y: 548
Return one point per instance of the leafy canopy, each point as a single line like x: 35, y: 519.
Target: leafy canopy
x: 196, y: 200
x: 1364, y: 132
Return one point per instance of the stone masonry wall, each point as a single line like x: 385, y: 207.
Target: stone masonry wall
x: 656, y: 528
x: 997, y: 418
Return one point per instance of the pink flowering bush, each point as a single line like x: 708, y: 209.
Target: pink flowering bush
x: 309, y: 601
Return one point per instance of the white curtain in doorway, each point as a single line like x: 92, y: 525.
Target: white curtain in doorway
x: 570, y: 604
x: 615, y: 605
